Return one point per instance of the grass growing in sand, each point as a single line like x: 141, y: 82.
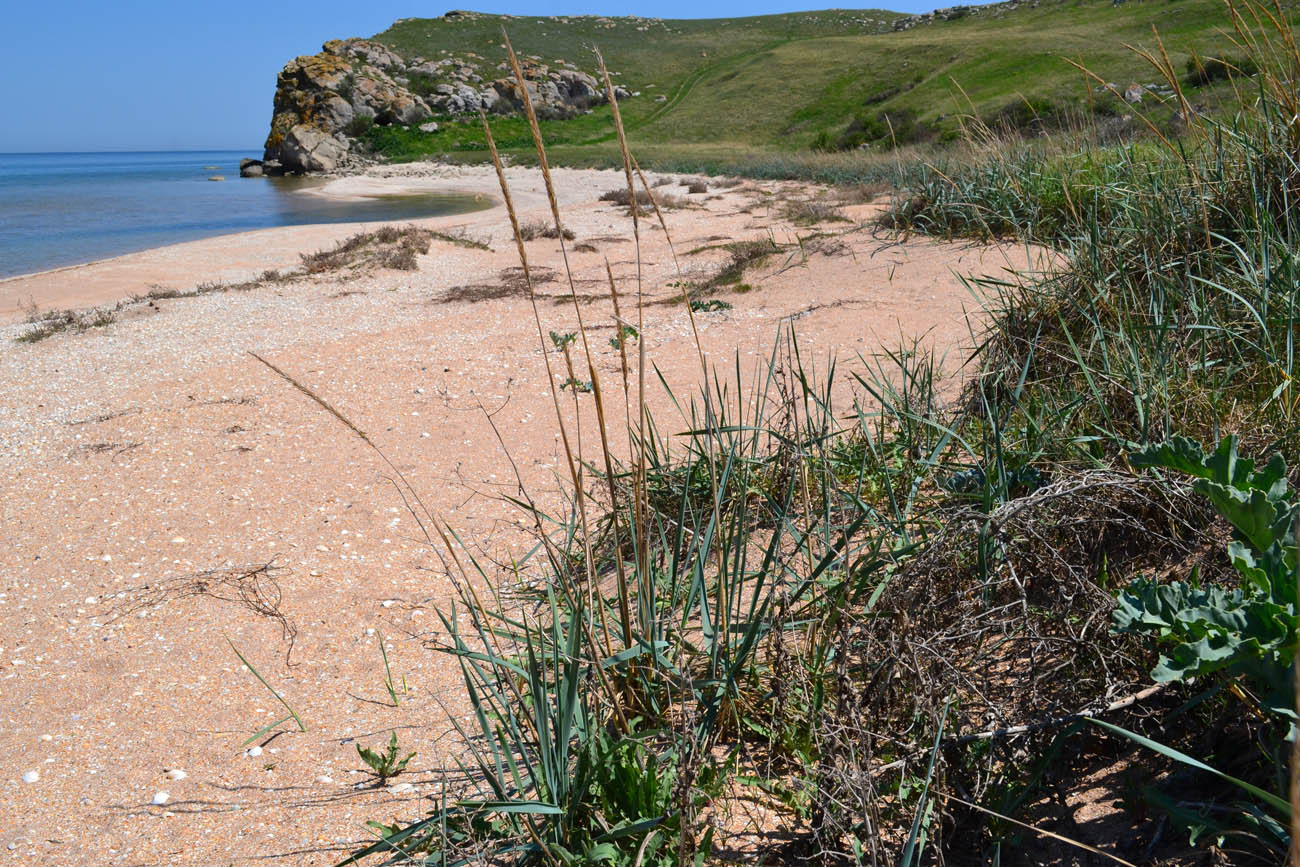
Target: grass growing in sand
x: 913, y: 628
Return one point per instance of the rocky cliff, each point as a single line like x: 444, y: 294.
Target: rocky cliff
x: 324, y: 102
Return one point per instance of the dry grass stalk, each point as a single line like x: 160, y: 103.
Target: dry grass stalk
x: 624, y: 609
x: 710, y: 417
x: 574, y: 471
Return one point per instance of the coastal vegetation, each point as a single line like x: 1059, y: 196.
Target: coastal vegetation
x: 1028, y: 597
x: 746, y: 91
x: 1041, y: 609
x: 754, y: 88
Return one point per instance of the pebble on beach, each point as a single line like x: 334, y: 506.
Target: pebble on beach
x: 31, y: 776
x: 161, y: 798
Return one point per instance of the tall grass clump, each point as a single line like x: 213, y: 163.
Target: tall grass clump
x: 1172, y: 308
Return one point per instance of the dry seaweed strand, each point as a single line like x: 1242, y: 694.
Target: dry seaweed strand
x: 254, y: 587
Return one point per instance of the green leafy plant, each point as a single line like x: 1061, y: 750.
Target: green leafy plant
x: 576, y: 384
x: 1249, y: 630
x: 626, y: 333
x: 711, y: 305
x: 385, y: 765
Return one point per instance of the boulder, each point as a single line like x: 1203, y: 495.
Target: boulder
x: 430, y: 67
x: 250, y: 168
x: 368, y: 52
x: 456, y: 98
x: 311, y: 74
x: 335, y: 112
x: 378, y: 97
x: 309, y: 149
x: 578, y: 89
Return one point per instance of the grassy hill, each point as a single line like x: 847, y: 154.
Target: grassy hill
x: 828, y: 80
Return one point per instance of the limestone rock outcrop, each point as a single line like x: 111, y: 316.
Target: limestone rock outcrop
x: 324, y: 102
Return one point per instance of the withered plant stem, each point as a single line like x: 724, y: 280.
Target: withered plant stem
x: 555, y: 400
x: 630, y: 167
x: 639, y: 493
x: 597, y: 394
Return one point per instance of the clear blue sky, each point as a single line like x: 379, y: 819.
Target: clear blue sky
x: 152, y: 75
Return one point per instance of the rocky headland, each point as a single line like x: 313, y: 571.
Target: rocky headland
x: 324, y: 103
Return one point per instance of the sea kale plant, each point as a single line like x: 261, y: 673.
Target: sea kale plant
x: 1250, y: 629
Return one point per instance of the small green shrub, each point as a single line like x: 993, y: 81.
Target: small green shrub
x: 359, y: 125
x: 1032, y: 116
x: 1201, y: 71
x: 421, y: 83
x: 385, y: 765
x: 893, y: 127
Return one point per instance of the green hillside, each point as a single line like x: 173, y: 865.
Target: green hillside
x: 829, y: 80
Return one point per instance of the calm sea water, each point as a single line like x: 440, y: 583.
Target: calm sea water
x: 68, y: 208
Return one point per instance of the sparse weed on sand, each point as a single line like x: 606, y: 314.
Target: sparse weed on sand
x: 541, y: 229
x: 45, y: 324
x: 387, y: 247
x: 809, y: 212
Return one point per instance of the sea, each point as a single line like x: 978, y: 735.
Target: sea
x: 61, y: 209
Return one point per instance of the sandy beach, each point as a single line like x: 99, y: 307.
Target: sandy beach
x: 150, y: 463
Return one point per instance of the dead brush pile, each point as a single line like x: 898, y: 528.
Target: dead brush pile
x: 810, y: 212
x: 386, y: 247
x: 645, y: 200
x: 997, y: 657
x: 534, y: 229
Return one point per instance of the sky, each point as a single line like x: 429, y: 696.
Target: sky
x: 179, y: 75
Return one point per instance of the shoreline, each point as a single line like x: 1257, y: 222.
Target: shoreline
x: 322, y: 189
x: 240, y: 256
